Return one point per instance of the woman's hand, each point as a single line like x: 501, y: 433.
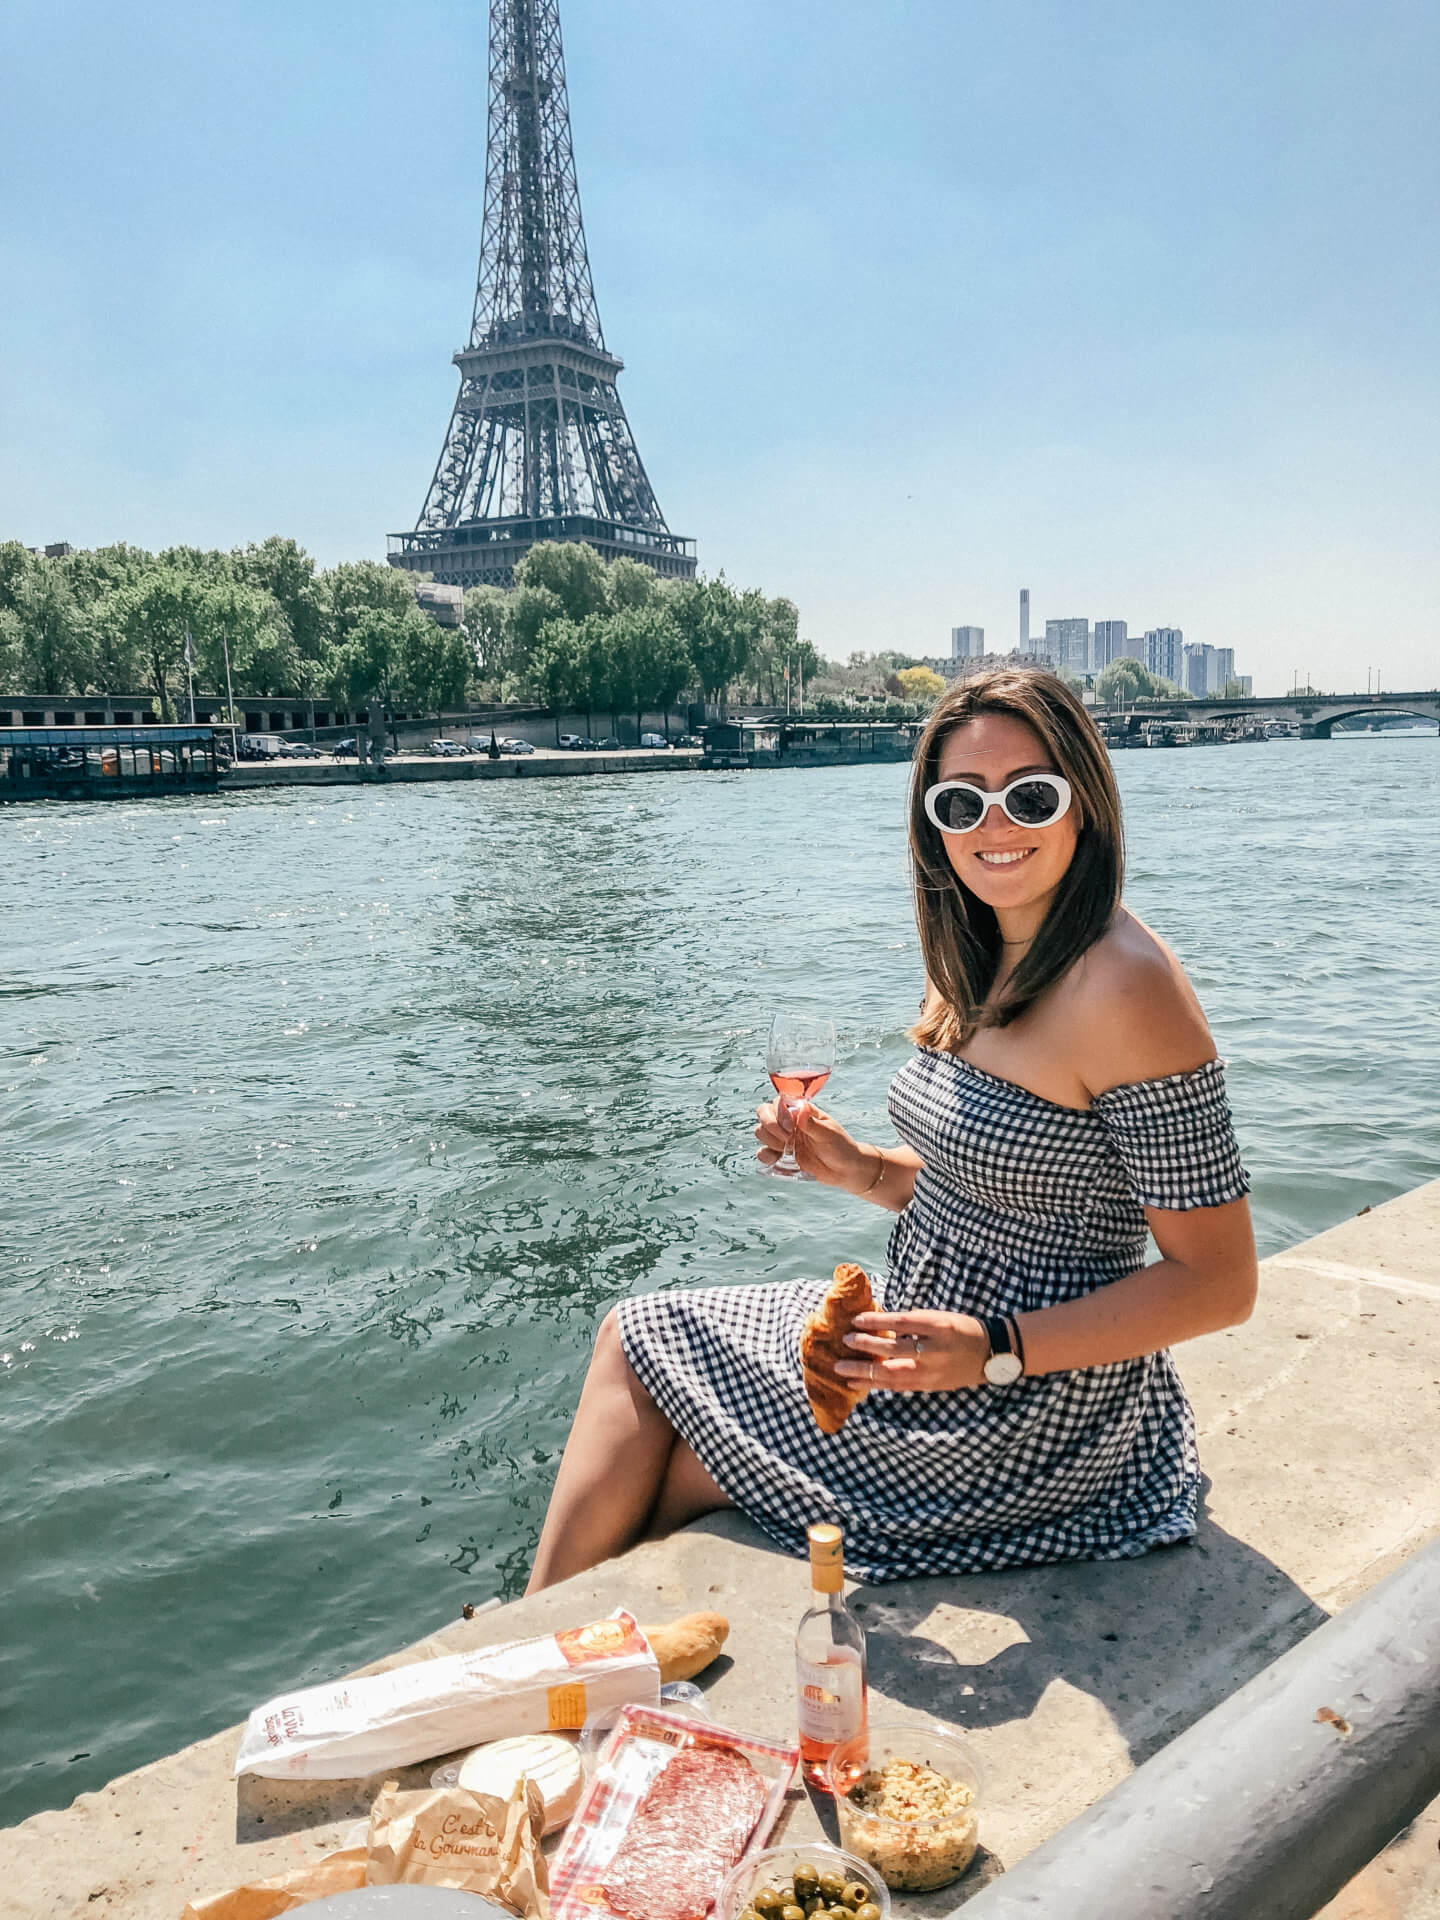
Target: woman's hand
x: 823, y: 1148
x: 918, y: 1352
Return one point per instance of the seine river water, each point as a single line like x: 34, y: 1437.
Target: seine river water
x: 336, y: 1119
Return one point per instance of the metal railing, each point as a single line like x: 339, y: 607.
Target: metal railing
x: 1264, y: 1809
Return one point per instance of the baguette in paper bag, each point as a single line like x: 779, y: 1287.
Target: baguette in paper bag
x: 383, y: 1720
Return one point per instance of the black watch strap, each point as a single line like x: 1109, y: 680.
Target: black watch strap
x: 997, y: 1332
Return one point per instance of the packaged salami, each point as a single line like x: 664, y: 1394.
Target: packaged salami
x: 672, y: 1805
x: 385, y: 1720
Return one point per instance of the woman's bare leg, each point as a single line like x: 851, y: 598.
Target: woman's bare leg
x: 612, y: 1471
x: 686, y: 1492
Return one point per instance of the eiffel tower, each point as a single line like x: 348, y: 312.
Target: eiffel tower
x: 538, y: 446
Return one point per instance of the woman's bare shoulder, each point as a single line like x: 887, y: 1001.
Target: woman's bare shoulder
x: 1133, y: 1013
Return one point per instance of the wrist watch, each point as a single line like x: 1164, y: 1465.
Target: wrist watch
x: 1005, y: 1366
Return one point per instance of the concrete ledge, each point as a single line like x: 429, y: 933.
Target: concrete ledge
x: 1317, y: 1428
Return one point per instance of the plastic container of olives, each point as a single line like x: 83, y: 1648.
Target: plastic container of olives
x: 823, y: 1884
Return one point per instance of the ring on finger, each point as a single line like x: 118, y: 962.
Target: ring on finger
x: 918, y: 1346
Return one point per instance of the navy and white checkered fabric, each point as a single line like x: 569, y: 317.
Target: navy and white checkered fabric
x: 1021, y: 1204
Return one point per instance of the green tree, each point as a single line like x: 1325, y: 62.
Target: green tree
x: 11, y: 651
x: 719, y: 628
x: 560, y: 667
x: 1124, y: 679
x: 357, y: 587
x: 630, y: 585
x: 17, y: 563
x: 227, y: 615
x: 435, y: 664
x: 572, y: 571
x: 54, y: 633
x: 531, y: 609
x: 152, y: 613
x: 487, y: 629
x: 282, y: 569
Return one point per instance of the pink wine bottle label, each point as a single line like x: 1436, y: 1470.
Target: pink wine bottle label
x: 831, y: 1699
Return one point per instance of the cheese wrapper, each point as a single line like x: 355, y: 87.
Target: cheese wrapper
x: 472, y: 1842
x: 383, y: 1720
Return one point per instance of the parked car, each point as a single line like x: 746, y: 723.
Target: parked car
x: 653, y: 740
x: 689, y: 740
x: 450, y: 747
x: 516, y: 746
x: 612, y: 745
x: 571, y: 740
x: 299, y: 750
x: 341, y: 748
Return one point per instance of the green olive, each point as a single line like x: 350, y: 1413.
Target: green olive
x: 813, y: 1904
x: 856, y: 1894
x: 807, y: 1882
x: 869, y: 1911
x: 768, y: 1900
x: 792, y: 1913
x: 832, y: 1886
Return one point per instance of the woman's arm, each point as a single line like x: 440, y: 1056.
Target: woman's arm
x: 830, y: 1155
x: 1205, y: 1280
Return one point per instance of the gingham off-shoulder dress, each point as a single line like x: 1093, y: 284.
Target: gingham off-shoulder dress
x: 1020, y: 1204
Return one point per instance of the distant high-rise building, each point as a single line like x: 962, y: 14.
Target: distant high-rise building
x: 1107, y: 643
x: 1024, y: 619
x: 1068, y: 644
x: 1207, y: 669
x: 1245, y: 683
x: 1164, y: 653
x: 966, y: 642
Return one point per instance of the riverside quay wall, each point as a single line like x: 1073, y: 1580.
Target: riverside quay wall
x: 1317, y: 1422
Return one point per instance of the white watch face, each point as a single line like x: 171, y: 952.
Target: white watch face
x: 1001, y: 1369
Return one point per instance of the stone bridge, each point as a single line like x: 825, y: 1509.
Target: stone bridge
x: 1315, y: 713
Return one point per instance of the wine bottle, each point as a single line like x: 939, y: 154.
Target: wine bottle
x: 829, y: 1660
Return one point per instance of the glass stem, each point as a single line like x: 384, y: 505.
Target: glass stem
x: 787, y: 1163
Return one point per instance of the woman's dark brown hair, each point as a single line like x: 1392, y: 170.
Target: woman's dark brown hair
x: 959, y: 934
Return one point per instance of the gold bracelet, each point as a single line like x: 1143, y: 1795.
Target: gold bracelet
x: 865, y: 1192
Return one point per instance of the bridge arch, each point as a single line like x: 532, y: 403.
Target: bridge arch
x: 1320, y: 728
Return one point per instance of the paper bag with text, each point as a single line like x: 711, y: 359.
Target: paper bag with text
x: 473, y: 1842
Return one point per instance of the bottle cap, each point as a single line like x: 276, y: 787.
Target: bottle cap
x: 827, y: 1559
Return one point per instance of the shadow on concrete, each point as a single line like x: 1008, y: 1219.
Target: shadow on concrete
x: 1157, y: 1641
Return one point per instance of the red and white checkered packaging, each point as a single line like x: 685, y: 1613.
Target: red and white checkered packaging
x: 641, y: 1743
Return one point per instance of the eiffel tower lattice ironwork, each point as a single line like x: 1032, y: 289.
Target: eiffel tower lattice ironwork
x: 538, y: 446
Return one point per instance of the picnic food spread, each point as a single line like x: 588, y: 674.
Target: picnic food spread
x: 822, y: 1342
x: 676, y: 1811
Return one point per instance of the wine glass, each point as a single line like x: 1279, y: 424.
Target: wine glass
x: 799, y: 1058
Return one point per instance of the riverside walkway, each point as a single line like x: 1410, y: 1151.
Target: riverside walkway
x: 1317, y: 1431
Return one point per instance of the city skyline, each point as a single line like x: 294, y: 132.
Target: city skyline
x: 1144, y: 386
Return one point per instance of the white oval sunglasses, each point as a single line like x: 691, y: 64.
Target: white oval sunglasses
x: 1034, y: 800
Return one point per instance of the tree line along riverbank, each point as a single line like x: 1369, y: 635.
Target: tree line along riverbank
x: 264, y: 622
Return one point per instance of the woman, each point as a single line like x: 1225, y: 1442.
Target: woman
x: 1065, y: 1095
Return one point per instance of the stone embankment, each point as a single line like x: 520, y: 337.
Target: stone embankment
x: 543, y: 764
x: 1317, y: 1424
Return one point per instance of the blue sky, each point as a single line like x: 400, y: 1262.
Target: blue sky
x: 1132, y: 304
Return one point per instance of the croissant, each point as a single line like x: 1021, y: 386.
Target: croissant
x: 822, y: 1343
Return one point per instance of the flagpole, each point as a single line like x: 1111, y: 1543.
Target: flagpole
x: 190, y: 671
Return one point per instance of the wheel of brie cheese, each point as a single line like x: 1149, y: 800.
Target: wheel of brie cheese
x: 553, y: 1764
